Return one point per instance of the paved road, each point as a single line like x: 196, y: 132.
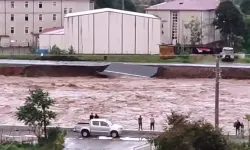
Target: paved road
x: 93, y: 144
x: 25, y: 130
x: 52, y: 63
x: 226, y: 65
x: 98, y: 63
x: 131, y: 70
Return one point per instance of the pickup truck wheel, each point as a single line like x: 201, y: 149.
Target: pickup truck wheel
x: 114, y: 134
x: 85, y: 133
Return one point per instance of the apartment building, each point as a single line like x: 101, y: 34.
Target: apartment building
x: 22, y: 20
x: 176, y: 14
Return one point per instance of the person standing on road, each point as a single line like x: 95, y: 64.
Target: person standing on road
x: 237, y: 125
x: 140, y: 123
x: 152, y: 123
x: 91, y: 116
x: 96, y: 116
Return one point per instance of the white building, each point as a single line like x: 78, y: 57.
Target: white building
x: 111, y: 31
x: 178, y: 13
x: 21, y: 20
x: 50, y: 37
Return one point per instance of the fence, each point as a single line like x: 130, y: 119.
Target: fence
x: 15, y: 49
x: 20, y: 136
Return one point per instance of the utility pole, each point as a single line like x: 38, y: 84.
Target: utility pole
x: 123, y: 5
x: 217, y: 87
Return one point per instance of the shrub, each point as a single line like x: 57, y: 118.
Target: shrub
x: 190, y: 135
x: 59, y: 58
x: 55, y: 139
x: 57, y: 51
x: 71, y: 50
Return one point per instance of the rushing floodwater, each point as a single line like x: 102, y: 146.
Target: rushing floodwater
x: 122, y: 100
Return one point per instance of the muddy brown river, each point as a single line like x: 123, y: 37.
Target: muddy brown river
x: 122, y: 100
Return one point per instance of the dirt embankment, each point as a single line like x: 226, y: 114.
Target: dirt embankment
x: 201, y: 72
x: 163, y: 72
x: 53, y: 71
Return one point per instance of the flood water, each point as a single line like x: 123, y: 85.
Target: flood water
x: 123, y: 99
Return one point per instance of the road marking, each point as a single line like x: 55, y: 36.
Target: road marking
x: 135, y: 75
x: 133, y: 139
x: 110, y: 138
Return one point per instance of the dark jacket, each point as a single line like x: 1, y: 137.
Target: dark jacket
x: 140, y: 120
x: 237, y: 124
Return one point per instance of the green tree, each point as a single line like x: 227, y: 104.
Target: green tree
x: 71, y: 50
x: 237, y: 2
x: 55, y: 50
x: 155, y: 2
x: 195, y: 31
x: 190, y: 135
x: 247, y: 36
x: 245, y: 7
x: 229, y: 21
x: 36, y: 110
x: 116, y: 4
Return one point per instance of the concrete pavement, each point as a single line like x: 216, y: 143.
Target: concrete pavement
x: 116, y: 65
x: 132, y: 70
x: 26, y: 130
x: 52, y: 63
x: 93, y: 144
x: 222, y: 64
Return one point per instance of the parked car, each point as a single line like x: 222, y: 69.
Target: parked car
x: 227, y: 54
x: 98, y: 127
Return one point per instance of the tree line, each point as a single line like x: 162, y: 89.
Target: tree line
x: 233, y: 22
x: 129, y: 5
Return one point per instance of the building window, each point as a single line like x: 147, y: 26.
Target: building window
x: 40, y: 17
x: 12, y: 5
x: 54, y: 16
x: 40, y: 5
x: 54, y: 3
x: 26, y: 4
x: 70, y: 10
x: 40, y: 29
x: 174, y: 25
x: 12, y: 17
x: 12, y: 30
x: 26, y: 17
x: 65, y: 10
x: 26, y: 30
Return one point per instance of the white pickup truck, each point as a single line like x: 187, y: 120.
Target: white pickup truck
x: 98, y: 127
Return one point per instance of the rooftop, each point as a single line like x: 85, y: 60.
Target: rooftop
x: 53, y: 31
x: 186, y: 5
x: 95, y: 11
